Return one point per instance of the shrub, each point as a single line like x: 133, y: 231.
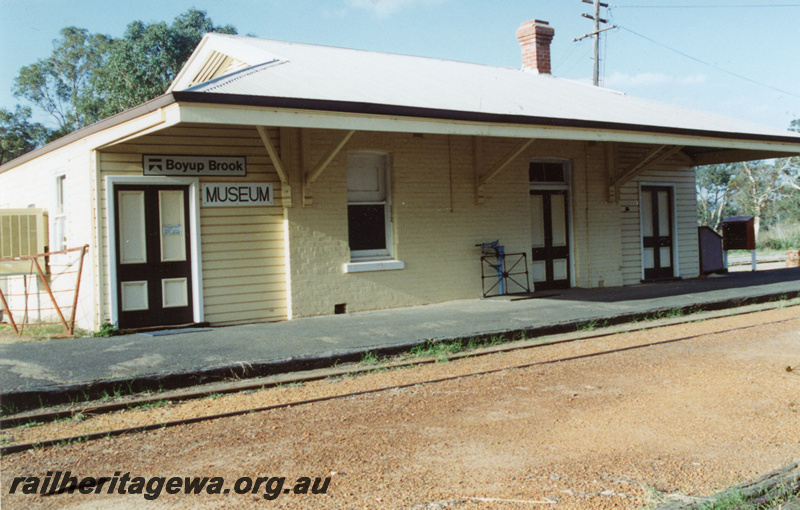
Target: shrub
x: 783, y: 236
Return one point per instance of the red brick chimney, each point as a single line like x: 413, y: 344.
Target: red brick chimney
x: 534, y: 38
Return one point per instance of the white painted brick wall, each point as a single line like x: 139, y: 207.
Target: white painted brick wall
x: 33, y: 184
x: 437, y: 222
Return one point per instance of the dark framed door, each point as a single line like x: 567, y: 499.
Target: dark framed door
x: 550, y: 239
x: 657, y: 232
x: 153, y: 263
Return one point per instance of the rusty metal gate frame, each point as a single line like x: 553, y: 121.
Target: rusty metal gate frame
x: 69, y: 325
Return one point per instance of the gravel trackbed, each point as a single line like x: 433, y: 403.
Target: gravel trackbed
x: 629, y: 429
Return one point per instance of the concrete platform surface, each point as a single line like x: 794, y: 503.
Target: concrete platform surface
x: 169, y: 359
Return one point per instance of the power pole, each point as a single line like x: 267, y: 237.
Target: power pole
x: 596, y: 19
x: 596, y: 35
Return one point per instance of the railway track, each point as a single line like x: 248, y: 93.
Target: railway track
x: 99, y: 409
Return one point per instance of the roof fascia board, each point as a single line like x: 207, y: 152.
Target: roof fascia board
x: 358, y: 108
x: 144, y: 125
x: 734, y: 156
x: 231, y: 113
x: 119, y: 126
x: 288, y: 117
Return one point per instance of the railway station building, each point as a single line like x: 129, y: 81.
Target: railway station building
x: 277, y: 180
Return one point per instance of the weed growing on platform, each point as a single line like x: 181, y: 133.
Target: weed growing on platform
x: 438, y: 350
x: 588, y: 325
x: 8, y: 409
x: 106, y: 329
x: 369, y: 358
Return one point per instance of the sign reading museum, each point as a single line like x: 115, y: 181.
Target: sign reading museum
x: 226, y: 194
x: 214, y: 166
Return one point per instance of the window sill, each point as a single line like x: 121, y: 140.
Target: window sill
x: 373, y: 265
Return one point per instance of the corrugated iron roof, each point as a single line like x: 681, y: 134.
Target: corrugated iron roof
x: 310, y: 77
x: 322, y: 73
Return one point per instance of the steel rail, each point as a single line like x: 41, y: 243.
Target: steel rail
x: 236, y: 387
x: 8, y: 449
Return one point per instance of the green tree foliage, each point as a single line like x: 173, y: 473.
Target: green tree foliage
x: 142, y: 64
x: 783, y: 218
x: 18, y: 134
x: 91, y: 76
x: 767, y: 190
x: 795, y: 162
x: 61, y: 84
x: 714, y: 193
x: 760, y: 185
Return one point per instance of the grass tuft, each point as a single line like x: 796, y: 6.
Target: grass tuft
x: 151, y: 405
x: 369, y: 358
x: 106, y: 330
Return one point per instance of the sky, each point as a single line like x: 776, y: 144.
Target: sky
x: 738, y: 58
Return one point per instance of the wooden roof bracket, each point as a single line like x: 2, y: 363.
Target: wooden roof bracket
x: 481, y: 180
x: 321, y: 165
x: 280, y: 168
x: 649, y: 160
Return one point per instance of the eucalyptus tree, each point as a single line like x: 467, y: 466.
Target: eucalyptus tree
x: 19, y: 134
x: 88, y: 77
x: 142, y: 64
x: 62, y: 84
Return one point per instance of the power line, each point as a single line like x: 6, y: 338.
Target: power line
x: 724, y: 6
x: 710, y: 65
x: 564, y: 57
x: 577, y: 61
x: 605, y: 45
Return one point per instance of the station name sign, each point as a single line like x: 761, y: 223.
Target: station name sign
x: 212, y: 166
x: 227, y: 194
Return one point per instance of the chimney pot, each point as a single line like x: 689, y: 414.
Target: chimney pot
x: 534, y: 39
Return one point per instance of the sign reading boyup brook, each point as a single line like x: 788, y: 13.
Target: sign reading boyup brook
x: 226, y: 194
x: 214, y: 166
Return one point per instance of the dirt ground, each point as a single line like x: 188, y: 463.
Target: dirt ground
x: 620, y: 430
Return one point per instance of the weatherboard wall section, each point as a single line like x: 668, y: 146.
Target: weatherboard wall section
x: 672, y: 172
x: 243, y: 262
